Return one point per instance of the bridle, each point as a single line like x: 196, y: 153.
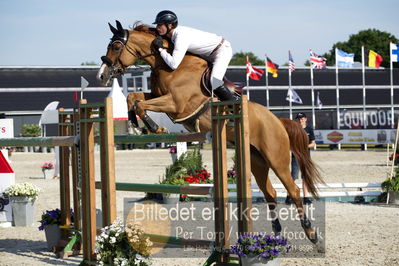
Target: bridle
x: 118, y: 38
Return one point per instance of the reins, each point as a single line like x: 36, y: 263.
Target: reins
x: 111, y: 64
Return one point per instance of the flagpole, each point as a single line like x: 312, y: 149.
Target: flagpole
x: 312, y: 90
x: 364, y: 93
x: 391, y: 65
x: 248, y: 86
x: 247, y: 75
x: 337, y: 92
x: 267, y: 82
x: 313, y: 110
x: 289, y: 89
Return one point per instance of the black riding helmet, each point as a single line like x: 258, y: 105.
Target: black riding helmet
x: 166, y: 17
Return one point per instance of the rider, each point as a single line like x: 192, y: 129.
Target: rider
x: 209, y: 46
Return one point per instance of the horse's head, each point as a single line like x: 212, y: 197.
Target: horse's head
x: 117, y: 58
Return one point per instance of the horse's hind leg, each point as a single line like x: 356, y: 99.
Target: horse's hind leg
x: 280, y: 165
x: 260, y: 169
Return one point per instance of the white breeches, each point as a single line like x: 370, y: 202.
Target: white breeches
x: 221, y: 59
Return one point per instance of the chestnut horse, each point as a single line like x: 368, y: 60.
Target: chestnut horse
x: 178, y: 93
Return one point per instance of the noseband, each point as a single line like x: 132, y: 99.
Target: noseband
x: 123, y: 40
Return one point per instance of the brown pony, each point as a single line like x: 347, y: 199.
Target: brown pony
x: 178, y: 94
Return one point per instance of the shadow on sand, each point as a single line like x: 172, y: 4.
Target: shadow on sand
x: 36, y: 250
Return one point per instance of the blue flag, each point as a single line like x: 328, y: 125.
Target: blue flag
x: 344, y: 59
x: 394, y: 52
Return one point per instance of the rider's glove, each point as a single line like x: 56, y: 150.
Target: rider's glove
x: 158, y: 43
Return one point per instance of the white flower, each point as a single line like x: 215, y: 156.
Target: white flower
x: 112, y: 240
x: 23, y: 190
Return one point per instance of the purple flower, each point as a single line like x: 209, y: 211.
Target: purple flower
x: 262, y: 245
x: 252, y: 248
x: 274, y: 252
x: 265, y: 254
x: 51, y: 217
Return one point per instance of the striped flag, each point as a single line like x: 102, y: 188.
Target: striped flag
x: 253, y: 72
x: 317, y: 61
x: 272, y: 68
x: 394, y: 51
x: 344, y: 59
x: 291, y: 64
x: 375, y: 59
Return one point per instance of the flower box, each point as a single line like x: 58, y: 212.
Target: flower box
x: 23, y: 211
x: 22, y: 197
x: 53, y: 235
x: 260, y: 249
x: 256, y: 261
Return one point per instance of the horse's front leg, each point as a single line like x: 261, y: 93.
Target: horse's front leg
x: 132, y: 99
x: 163, y: 104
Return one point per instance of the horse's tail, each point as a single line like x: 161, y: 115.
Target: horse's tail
x: 299, y: 147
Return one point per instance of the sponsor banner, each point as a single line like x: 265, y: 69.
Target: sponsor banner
x: 6, y: 128
x: 356, y: 119
x: 355, y: 136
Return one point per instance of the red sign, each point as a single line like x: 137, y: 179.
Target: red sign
x: 335, y: 136
x: 5, y: 167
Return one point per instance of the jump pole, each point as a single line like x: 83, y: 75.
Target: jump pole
x: 87, y: 120
x: 39, y: 141
x: 108, y: 198
x: 64, y: 129
x: 68, y: 126
x: 220, y: 117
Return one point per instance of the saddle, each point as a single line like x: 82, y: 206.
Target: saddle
x: 206, y: 87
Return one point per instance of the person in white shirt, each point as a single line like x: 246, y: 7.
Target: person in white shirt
x: 209, y: 46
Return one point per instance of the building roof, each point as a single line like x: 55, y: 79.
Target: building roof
x: 31, y: 88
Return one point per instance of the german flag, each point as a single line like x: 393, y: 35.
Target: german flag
x: 375, y: 59
x: 272, y: 68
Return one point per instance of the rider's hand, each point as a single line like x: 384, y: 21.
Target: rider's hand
x: 158, y: 43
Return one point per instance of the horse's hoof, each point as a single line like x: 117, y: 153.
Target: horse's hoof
x: 161, y: 130
x: 313, y: 237
x: 276, y: 226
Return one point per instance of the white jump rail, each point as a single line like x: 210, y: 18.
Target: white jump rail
x: 325, y: 191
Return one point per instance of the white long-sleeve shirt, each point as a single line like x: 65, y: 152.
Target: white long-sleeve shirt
x: 188, y: 39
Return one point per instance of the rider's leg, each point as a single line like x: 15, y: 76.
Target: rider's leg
x: 221, y: 60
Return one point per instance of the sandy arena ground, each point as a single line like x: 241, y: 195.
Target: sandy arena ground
x: 355, y: 234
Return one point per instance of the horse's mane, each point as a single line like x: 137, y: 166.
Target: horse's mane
x: 139, y: 26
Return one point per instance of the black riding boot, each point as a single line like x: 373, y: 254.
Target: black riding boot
x: 224, y: 94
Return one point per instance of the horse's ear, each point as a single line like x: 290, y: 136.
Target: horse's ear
x: 119, y: 26
x: 112, y: 28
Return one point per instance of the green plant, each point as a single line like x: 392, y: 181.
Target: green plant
x: 391, y: 184
x: 23, y: 190
x: 231, y: 176
x: 173, y: 181
x: 232, y: 173
x: 30, y: 130
x: 192, y: 161
x: 188, y: 163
